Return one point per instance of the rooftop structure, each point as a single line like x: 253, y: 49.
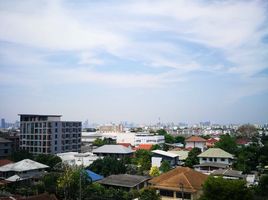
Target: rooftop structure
x: 125, y: 181
x: 215, y: 153
x: 112, y: 149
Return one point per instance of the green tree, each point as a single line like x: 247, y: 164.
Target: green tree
x: 263, y: 159
x: 247, y: 158
x: 161, y: 132
x: 165, y: 166
x: 107, y: 166
x: 262, y: 188
x: 192, y: 158
x: 48, y: 159
x: 180, y: 139
x: 68, y: 183
x: 155, y: 147
x: 20, y: 155
x: 224, y: 189
x: 169, y: 139
x: 50, y: 182
x: 142, y: 159
x: 149, y: 194
x: 154, y: 171
x: 227, y: 143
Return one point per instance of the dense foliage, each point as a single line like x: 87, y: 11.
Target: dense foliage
x: 149, y: 194
x: 224, y: 189
x: 165, y: 166
x: 192, y: 158
x: 108, y: 166
x: 227, y: 143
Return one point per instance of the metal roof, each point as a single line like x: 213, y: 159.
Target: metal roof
x: 124, y: 180
x: 165, y: 153
x: 212, y: 164
x: 23, y: 165
x: 215, y: 153
x: 229, y: 173
x: 114, y: 149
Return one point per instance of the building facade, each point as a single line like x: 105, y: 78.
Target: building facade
x: 135, y: 139
x: 47, y: 134
x: 5, y: 148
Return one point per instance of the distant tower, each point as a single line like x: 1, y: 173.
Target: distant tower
x: 3, y: 123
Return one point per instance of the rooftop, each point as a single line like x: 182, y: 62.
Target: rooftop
x: 213, y: 164
x: 124, y: 180
x: 5, y: 162
x: 144, y: 146
x: 165, y: 153
x: 216, y: 153
x: 228, y: 172
x: 37, y: 115
x: 23, y: 165
x: 195, y: 139
x: 172, y: 180
x: 182, y: 154
x: 114, y: 149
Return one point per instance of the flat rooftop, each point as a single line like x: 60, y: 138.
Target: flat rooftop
x: 36, y: 115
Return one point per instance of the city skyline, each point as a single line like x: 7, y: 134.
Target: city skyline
x: 182, y: 61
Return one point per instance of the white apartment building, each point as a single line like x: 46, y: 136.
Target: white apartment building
x: 136, y: 139
x: 47, y: 134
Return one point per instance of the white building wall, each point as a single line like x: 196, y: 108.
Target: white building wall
x: 126, y: 138
x: 200, y: 145
x: 216, y: 160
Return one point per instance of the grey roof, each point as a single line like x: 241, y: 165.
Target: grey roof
x: 23, y: 165
x: 229, y: 173
x: 124, y: 180
x: 3, y: 140
x: 114, y: 149
x: 212, y: 164
x: 215, y: 153
x: 165, y: 153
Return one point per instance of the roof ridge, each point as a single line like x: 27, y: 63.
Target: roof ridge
x: 188, y: 180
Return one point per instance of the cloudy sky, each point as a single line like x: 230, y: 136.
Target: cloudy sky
x: 112, y: 60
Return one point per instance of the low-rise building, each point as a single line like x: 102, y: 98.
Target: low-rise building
x: 179, y: 183
x: 195, y: 141
x: 118, y: 151
x: 135, y: 139
x: 78, y: 159
x: 214, y: 159
x: 24, y: 169
x: 228, y: 174
x: 159, y: 156
x: 125, y: 181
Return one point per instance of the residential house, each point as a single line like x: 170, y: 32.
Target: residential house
x: 76, y: 158
x: 117, y: 151
x: 125, y: 181
x: 195, y: 141
x: 159, y: 156
x: 24, y: 169
x: 213, y: 159
x: 211, y: 142
x: 179, y: 183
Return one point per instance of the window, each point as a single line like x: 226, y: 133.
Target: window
x: 185, y: 195
x: 55, y: 148
x: 204, y: 159
x: 56, y: 142
x: 222, y: 159
x: 210, y: 159
x: 166, y: 193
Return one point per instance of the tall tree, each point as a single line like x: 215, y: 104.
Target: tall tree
x: 48, y: 159
x: 247, y: 131
x: 142, y: 159
x: 192, y: 158
x: 227, y: 143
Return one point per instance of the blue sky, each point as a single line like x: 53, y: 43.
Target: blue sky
x: 182, y: 61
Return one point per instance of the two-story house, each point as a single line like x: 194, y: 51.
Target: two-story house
x: 214, y: 159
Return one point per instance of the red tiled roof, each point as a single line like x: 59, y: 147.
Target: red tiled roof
x: 144, y: 146
x: 190, y: 179
x: 242, y: 141
x: 195, y: 139
x: 5, y: 162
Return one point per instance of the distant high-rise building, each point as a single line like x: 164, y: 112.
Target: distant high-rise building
x: 3, y: 123
x: 47, y: 134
